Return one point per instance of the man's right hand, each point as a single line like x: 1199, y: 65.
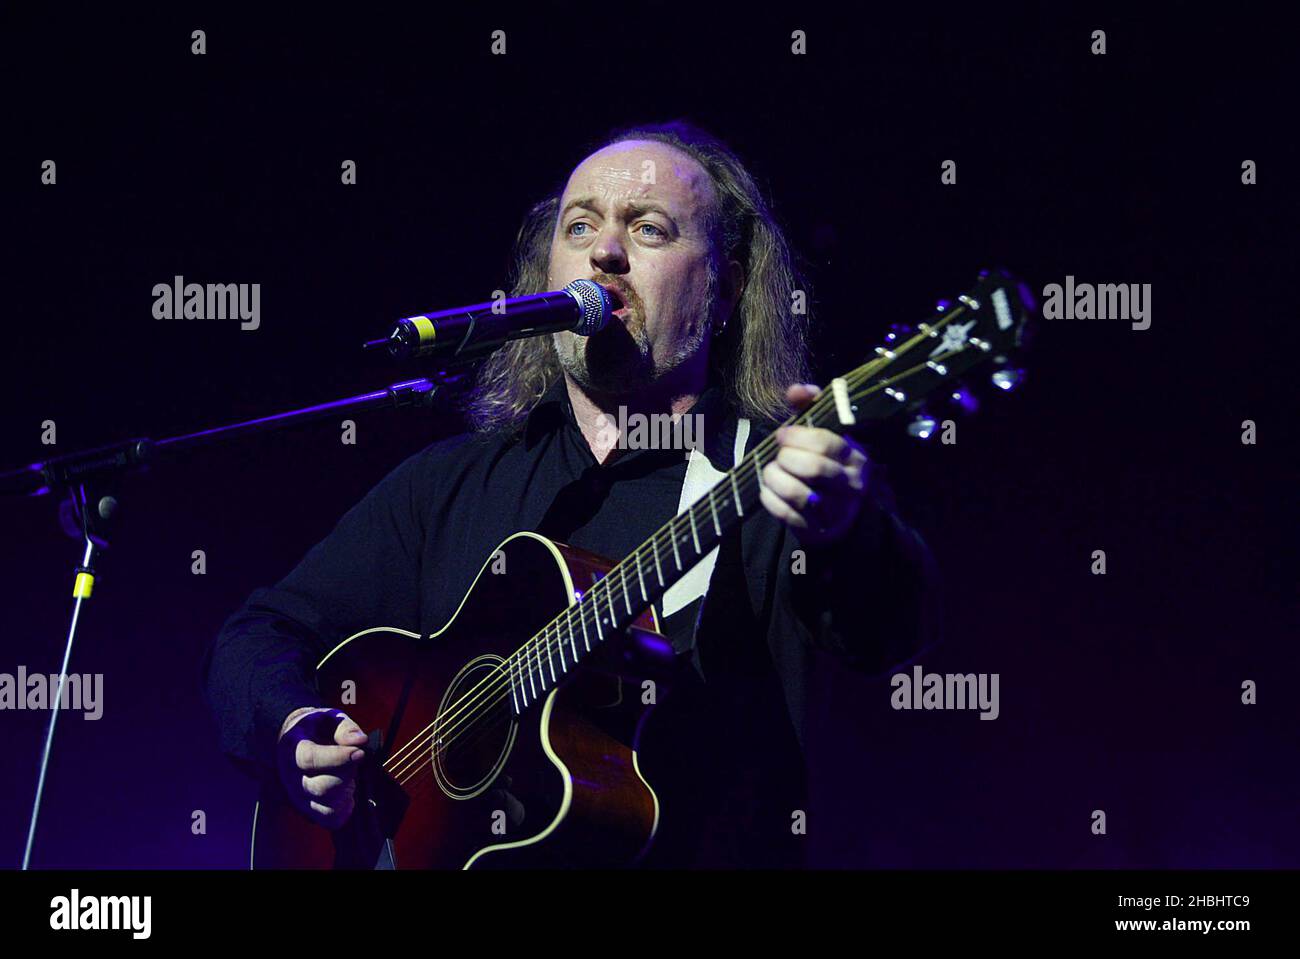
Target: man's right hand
x: 318, y: 758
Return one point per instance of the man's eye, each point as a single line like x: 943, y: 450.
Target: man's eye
x: 657, y: 234
x: 574, y: 226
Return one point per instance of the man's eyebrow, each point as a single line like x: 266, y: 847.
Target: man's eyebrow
x: 632, y: 206
x: 581, y: 202
x: 648, y: 206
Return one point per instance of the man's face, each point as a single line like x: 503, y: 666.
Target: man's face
x: 633, y: 217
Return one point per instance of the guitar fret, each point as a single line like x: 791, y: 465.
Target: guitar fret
x: 521, y: 693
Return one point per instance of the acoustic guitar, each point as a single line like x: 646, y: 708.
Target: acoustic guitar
x: 508, y: 738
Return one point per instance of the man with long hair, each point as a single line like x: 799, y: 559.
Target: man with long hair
x: 670, y: 222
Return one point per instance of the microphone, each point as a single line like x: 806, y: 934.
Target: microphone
x: 473, y: 331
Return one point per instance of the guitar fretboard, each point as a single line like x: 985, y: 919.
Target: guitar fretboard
x: 903, y: 374
x: 622, y: 595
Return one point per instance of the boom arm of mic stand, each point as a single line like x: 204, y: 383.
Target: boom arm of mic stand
x: 65, y: 472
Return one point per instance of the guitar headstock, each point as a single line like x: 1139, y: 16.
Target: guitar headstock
x: 983, y: 327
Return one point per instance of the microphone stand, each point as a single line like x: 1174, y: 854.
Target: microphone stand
x: 91, y: 479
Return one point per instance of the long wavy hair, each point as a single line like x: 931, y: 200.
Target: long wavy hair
x: 763, y: 347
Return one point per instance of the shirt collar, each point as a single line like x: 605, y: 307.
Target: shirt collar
x: 550, y: 412
x: 554, y: 411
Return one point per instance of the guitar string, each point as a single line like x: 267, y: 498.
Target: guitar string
x: 414, y: 765
x: 457, y: 739
x: 481, y: 729
x: 452, y: 720
x: 487, y: 722
x: 451, y: 731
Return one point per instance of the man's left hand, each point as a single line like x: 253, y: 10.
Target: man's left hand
x: 817, y: 481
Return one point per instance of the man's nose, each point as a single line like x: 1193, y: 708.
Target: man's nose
x: 608, y: 255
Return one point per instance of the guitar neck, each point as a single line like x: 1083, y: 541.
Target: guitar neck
x: 914, y: 365
x: 628, y: 589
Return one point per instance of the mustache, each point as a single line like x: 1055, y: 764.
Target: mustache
x: 622, y: 289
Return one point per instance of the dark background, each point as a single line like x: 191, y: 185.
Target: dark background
x: 1118, y: 692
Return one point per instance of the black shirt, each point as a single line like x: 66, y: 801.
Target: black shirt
x: 724, y: 751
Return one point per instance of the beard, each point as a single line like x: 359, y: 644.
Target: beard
x: 617, y: 359
x: 620, y: 358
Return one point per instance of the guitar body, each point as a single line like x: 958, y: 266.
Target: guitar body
x: 552, y: 785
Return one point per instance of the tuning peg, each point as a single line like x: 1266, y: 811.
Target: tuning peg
x: 1008, y: 379
x: 942, y: 306
x: 964, y: 398
x: 922, y: 426
x: 897, y: 331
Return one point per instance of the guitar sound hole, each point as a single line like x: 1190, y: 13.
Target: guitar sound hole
x: 474, y: 729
